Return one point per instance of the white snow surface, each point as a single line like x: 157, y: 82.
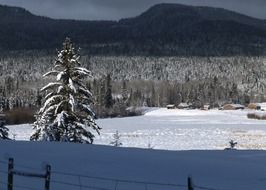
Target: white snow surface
x: 178, y: 130
x: 164, y: 129
x: 217, y: 169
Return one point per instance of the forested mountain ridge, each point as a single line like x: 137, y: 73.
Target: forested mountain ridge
x: 164, y: 29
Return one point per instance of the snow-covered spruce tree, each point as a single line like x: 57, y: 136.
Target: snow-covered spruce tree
x: 117, y: 142
x: 66, y: 114
x: 3, y: 130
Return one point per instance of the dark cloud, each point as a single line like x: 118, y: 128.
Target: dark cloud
x: 116, y: 9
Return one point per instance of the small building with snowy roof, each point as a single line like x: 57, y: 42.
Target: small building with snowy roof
x: 233, y: 107
x: 262, y: 106
x: 183, y: 106
x: 170, y: 106
x: 206, y: 107
x: 254, y: 106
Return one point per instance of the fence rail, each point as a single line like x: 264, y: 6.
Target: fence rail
x: 46, y: 176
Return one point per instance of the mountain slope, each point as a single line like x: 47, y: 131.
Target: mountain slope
x: 164, y: 29
x: 198, y: 30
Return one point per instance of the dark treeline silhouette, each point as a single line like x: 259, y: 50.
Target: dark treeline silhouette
x: 163, y: 30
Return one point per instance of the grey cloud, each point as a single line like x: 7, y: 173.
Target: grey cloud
x: 116, y: 9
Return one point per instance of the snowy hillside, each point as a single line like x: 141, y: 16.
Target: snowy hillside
x: 178, y: 130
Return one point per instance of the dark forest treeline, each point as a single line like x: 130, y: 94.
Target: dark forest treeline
x: 114, y: 98
x: 122, y: 84
x: 122, y: 98
x: 161, y: 93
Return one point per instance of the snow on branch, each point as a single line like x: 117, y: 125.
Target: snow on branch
x: 49, y: 101
x: 49, y: 95
x: 82, y: 70
x: 59, y: 89
x: 72, y: 102
x: 85, y: 92
x: 51, y: 85
x: 88, y: 109
x: 50, y: 73
x: 59, y: 105
x: 59, y: 75
x: 71, y: 85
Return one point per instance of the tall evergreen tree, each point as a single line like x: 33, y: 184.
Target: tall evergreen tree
x: 124, y: 92
x: 3, y: 130
x: 234, y: 93
x: 66, y: 114
x: 102, y: 92
x: 108, y: 99
x: 153, y: 96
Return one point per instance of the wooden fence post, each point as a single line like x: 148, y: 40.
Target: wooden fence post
x: 47, y: 177
x: 189, y: 183
x: 10, y: 174
x: 116, y: 184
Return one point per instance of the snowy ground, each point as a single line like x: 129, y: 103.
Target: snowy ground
x: 77, y: 166
x: 97, y: 167
x: 178, y: 130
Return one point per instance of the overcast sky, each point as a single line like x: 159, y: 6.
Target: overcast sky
x: 116, y: 9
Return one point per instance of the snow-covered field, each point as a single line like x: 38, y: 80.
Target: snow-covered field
x: 77, y: 166
x: 178, y: 130
x: 81, y: 166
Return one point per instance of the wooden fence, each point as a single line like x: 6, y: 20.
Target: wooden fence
x: 68, y: 184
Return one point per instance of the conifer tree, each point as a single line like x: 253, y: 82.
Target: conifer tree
x: 108, y: 99
x: 3, y: 130
x: 124, y: 92
x: 116, y: 142
x: 153, y: 96
x: 66, y: 114
x: 101, y: 99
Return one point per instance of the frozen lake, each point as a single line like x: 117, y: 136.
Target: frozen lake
x: 178, y: 130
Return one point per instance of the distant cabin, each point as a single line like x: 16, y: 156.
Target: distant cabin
x: 233, y: 107
x: 183, y: 106
x: 262, y: 106
x: 170, y: 106
x: 206, y: 107
x: 254, y: 106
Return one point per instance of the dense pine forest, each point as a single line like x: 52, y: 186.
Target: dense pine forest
x: 123, y: 83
